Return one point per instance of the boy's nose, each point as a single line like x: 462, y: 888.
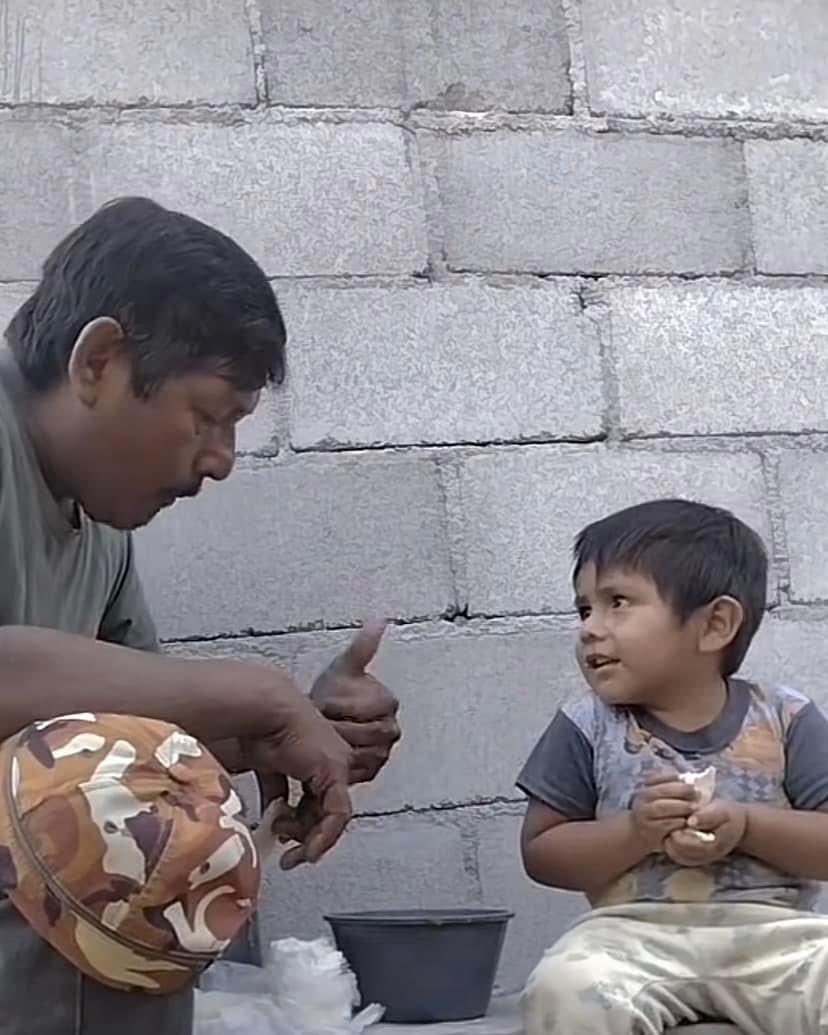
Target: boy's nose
x: 590, y: 629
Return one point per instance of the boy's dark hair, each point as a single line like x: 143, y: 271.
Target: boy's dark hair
x: 187, y: 297
x: 694, y: 553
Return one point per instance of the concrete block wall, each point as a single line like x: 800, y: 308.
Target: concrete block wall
x: 538, y: 259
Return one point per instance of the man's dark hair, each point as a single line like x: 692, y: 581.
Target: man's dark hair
x: 693, y: 553
x: 187, y: 297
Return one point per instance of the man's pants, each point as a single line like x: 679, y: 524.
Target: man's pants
x: 41, y: 994
x: 645, y: 968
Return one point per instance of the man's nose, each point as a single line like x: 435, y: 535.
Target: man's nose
x: 216, y: 462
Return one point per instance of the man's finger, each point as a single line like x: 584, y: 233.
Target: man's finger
x: 334, y: 814
x: 272, y: 787
x: 375, y: 704
x: 362, y: 649
x: 380, y: 734
x: 324, y: 836
x: 292, y: 858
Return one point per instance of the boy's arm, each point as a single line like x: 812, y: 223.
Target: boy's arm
x: 790, y: 840
x: 562, y: 844
x: 796, y: 840
x: 579, y: 855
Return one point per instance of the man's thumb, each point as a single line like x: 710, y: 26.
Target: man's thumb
x: 363, y: 648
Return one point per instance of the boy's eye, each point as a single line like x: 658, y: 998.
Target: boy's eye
x: 583, y: 612
x: 619, y: 601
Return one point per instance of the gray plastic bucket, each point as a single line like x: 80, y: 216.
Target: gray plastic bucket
x: 424, y: 965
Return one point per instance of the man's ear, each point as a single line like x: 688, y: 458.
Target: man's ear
x: 99, y: 344
x: 721, y: 621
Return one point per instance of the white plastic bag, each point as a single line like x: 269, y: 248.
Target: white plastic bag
x: 305, y: 988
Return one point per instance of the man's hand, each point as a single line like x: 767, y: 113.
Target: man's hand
x: 361, y: 709
x: 726, y: 820
x: 312, y: 752
x: 663, y: 807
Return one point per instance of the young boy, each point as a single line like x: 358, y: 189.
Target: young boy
x: 670, y: 594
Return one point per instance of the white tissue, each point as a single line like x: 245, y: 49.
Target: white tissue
x: 705, y: 784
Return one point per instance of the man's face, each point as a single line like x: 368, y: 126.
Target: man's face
x: 631, y: 648
x: 141, y: 455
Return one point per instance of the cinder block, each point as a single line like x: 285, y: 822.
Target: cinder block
x: 41, y: 192
x: 457, y: 54
x: 788, y: 194
x: 791, y: 652
x: 121, y: 52
x: 396, y: 862
x: 755, y: 59
x: 802, y: 478
x: 569, y: 202
x: 314, y: 541
x: 685, y: 354
x: 259, y: 433
x: 302, y: 199
x: 541, y: 914
x: 523, y: 508
x: 464, y: 362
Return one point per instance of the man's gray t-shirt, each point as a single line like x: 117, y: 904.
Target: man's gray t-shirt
x: 75, y: 576
x: 59, y: 571
x: 767, y: 746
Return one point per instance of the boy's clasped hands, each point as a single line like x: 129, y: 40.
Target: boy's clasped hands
x: 669, y: 814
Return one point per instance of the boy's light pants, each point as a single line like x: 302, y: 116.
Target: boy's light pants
x: 644, y: 968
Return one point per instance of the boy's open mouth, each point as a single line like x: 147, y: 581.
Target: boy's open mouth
x: 599, y: 661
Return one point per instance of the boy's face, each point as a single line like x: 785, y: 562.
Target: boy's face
x: 631, y: 646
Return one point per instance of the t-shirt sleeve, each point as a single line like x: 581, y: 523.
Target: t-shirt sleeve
x: 127, y: 620
x: 559, y: 772
x: 806, y: 759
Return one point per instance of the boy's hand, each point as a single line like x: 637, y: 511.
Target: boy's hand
x: 663, y: 807
x: 726, y: 820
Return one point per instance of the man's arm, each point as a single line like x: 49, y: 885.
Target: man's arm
x: 44, y: 673
x: 579, y: 855
x: 127, y: 622
x: 790, y: 840
x: 360, y: 708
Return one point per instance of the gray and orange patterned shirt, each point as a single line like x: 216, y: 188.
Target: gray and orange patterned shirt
x: 767, y: 746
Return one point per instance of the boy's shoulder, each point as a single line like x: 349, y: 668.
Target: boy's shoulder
x: 591, y: 716
x: 780, y: 702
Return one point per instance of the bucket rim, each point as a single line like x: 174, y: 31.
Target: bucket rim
x: 420, y: 917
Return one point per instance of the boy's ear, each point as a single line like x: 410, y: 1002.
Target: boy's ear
x: 721, y: 621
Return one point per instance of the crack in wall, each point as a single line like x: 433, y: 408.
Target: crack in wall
x: 442, y: 808
x: 259, y: 49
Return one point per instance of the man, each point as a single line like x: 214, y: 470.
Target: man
x: 147, y: 340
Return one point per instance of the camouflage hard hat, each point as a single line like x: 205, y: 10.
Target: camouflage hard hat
x: 123, y: 845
